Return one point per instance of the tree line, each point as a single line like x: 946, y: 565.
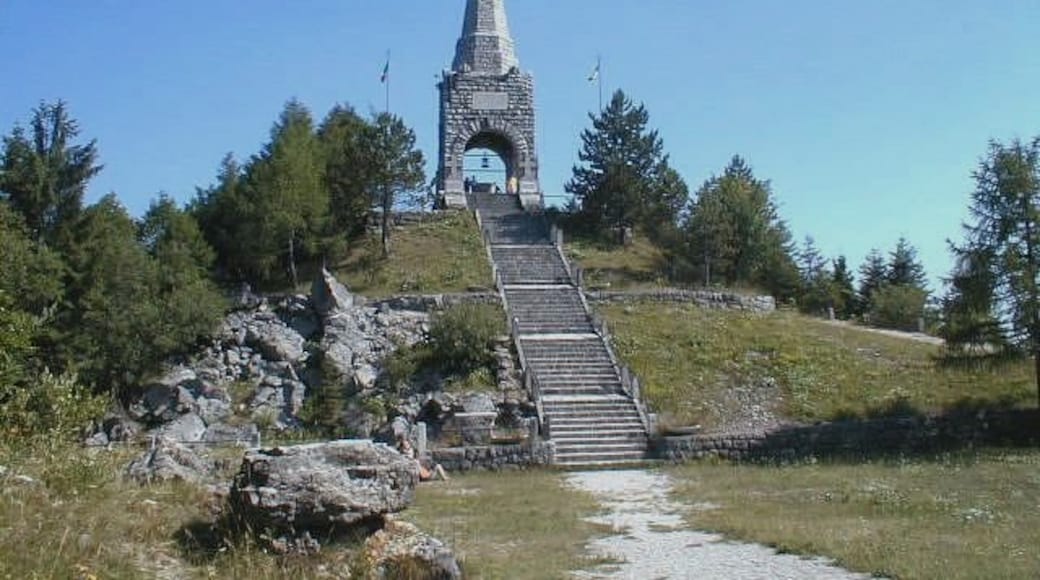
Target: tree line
x: 728, y: 232
x: 93, y: 300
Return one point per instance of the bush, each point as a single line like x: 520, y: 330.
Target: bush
x: 52, y: 405
x: 898, y: 307
x: 462, y: 337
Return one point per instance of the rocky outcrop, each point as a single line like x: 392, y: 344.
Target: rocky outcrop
x: 168, y: 461
x: 328, y: 296
x: 314, y: 491
x: 400, y: 550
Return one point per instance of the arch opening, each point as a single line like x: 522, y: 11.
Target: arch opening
x: 489, y: 163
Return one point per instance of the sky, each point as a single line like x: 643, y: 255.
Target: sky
x: 868, y: 118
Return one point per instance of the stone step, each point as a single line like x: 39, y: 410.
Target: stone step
x: 579, y: 457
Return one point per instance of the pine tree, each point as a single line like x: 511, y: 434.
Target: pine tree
x: 397, y: 167
x: 903, y: 267
x: 843, y: 291
x: 1005, y: 225
x: 873, y: 275
x: 625, y: 179
x: 735, y: 236
x: 970, y: 322
x: 285, y: 184
x: 816, y: 280
x: 44, y: 175
x: 348, y: 172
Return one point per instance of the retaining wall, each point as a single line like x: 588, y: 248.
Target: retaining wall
x: 702, y: 298
x: 494, y: 457
x: 857, y: 439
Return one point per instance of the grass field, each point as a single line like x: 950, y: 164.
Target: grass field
x: 77, y: 518
x: 967, y: 516
x: 688, y: 356
x: 524, y: 525
x: 445, y: 254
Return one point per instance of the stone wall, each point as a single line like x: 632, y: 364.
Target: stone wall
x: 860, y: 439
x: 433, y: 302
x: 702, y: 298
x: 494, y: 457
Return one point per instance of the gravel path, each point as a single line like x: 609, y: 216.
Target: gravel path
x: 652, y: 541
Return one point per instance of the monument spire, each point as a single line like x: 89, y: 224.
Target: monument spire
x: 485, y: 47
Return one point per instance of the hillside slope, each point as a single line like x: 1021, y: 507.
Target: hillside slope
x: 729, y: 370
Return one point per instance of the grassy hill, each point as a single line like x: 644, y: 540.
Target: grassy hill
x: 690, y: 358
x: 440, y: 255
x: 638, y: 265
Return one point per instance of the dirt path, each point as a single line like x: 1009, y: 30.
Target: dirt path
x: 915, y: 336
x: 653, y: 541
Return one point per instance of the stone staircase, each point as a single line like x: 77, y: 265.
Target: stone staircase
x: 575, y: 378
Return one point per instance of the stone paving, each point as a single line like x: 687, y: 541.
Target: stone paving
x: 653, y: 541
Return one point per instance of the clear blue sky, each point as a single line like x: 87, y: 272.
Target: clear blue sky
x: 868, y: 117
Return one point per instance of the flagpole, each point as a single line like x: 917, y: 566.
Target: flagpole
x: 599, y: 79
x: 387, y: 82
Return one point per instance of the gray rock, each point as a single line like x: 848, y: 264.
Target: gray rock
x: 247, y: 434
x: 478, y: 403
x: 321, y: 488
x: 167, y: 397
x: 213, y: 410
x: 188, y: 428
x: 400, y: 550
x: 272, y: 337
x: 168, y: 461
x: 328, y: 296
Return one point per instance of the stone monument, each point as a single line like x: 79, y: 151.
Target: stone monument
x: 487, y: 103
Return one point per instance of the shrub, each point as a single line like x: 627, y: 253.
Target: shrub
x: 54, y: 405
x: 462, y: 336
x: 899, y: 307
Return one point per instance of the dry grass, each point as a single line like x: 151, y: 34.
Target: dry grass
x: 78, y: 518
x: 516, y: 525
x: 444, y: 254
x: 638, y: 265
x: 687, y: 356
x: 953, y: 517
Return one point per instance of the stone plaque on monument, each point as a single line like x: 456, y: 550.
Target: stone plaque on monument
x: 490, y: 101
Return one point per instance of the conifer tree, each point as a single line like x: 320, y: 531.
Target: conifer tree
x: 734, y: 235
x: 396, y: 165
x: 904, y: 269
x: 843, y: 291
x: 624, y: 178
x: 43, y: 175
x: 873, y: 275
x: 1005, y: 229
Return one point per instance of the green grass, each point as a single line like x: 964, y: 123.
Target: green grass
x: 950, y: 517
x: 638, y: 265
x: 687, y: 356
x: 517, y: 525
x: 80, y: 519
x: 441, y: 255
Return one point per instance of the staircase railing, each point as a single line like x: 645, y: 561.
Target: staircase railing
x: 630, y: 384
x: 531, y: 384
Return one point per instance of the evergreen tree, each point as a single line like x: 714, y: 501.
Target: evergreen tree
x: 1005, y: 226
x: 843, y: 292
x: 32, y: 273
x: 190, y: 305
x: 873, y: 274
x: 223, y: 212
x: 44, y: 175
x: 735, y: 236
x: 625, y: 179
x: 285, y: 184
x: 970, y: 322
x: 109, y: 325
x: 348, y: 171
x: 816, y: 280
x: 397, y: 167
x: 903, y: 267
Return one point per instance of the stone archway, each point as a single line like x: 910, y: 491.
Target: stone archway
x: 497, y: 136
